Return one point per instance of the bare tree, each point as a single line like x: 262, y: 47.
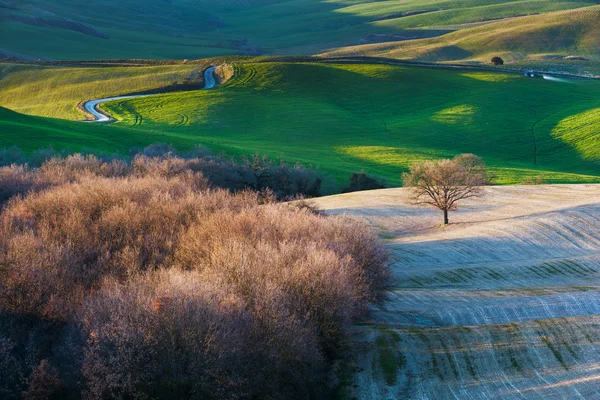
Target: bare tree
x: 443, y: 183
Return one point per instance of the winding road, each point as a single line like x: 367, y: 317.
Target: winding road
x: 92, y: 105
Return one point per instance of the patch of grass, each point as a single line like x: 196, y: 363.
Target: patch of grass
x: 555, y: 352
x: 32, y: 133
x: 451, y: 276
x: 494, y: 275
x: 580, y: 131
x: 389, y: 358
x: 503, y: 339
x: 434, y: 362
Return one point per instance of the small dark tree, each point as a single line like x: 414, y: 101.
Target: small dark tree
x: 362, y: 181
x: 443, y: 183
x: 497, y: 61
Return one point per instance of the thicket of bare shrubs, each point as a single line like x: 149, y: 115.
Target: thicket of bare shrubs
x: 20, y: 174
x: 141, y: 280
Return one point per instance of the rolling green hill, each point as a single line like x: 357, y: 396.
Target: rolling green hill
x: 31, y: 133
x: 538, y: 37
x: 184, y: 29
x: 346, y: 117
x: 55, y: 91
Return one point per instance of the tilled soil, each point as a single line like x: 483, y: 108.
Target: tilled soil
x: 502, y: 303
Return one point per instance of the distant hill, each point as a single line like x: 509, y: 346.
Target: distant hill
x: 539, y: 37
x: 180, y: 29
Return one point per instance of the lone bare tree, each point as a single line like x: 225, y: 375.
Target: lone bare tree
x: 443, y: 183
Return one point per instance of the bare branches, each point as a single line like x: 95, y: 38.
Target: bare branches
x: 443, y: 183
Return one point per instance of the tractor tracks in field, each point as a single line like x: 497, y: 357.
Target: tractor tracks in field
x: 183, y: 121
x: 92, y: 106
x: 500, y: 304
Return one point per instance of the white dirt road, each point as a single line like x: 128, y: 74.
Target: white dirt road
x: 92, y: 105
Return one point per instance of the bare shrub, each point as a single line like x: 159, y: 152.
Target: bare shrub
x: 20, y: 179
x: 305, y: 204
x: 44, y: 383
x: 284, y: 180
x: 10, y: 370
x: 15, y: 180
x: 58, y: 170
x: 278, y: 248
x: 195, y: 345
x: 39, y: 157
x: 159, y: 150
x: 444, y: 183
x: 11, y: 155
x: 161, y: 286
x: 75, y: 235
x: 362, y: 181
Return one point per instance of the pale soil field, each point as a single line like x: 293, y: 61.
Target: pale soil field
x: 502, y: 303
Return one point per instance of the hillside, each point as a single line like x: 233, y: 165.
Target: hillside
x: 538, y: 37
x: 56, y: 91
x: 347, y: 117
x: 182, y: 29
x: 502, y: 303
x: 31, y: 133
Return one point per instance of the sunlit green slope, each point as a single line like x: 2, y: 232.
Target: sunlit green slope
x: 554, y: 35
x: 342, y: 118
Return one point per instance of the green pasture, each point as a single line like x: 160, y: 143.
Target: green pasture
x: 342, y: 118
x: 55, y: 91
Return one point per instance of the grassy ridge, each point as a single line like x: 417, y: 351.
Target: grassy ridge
x: 565, y: 33
x: 183, y: 29
x: 343, y: 118
x: 56, y: 91
x: 32, y: 133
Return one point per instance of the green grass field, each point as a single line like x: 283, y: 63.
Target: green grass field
x: 55, y: 91
x: 343, y: 118
x: 31, y: 133
x: 180, y: 29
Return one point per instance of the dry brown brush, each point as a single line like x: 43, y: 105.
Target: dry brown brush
x: 143, y: 281
x: 20, y: 174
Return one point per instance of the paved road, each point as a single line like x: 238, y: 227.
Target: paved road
x: 92, y: 105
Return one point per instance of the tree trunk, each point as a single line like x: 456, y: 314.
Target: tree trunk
x: 445, y: 217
